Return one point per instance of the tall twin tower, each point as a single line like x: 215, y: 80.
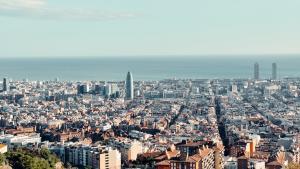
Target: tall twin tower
x: 274, y: 71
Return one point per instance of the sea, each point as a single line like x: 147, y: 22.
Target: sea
x: 147, y: 68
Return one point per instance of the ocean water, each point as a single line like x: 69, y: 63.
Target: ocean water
x: 147, y: 68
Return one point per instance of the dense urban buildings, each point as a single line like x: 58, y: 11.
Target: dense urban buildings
x: 166, y: 124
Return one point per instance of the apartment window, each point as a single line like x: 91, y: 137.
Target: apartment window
x: 172, y: 166
x: 182, y: 166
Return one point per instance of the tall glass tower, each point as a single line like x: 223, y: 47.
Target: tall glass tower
x: 256, y: 71
x: 5, y: 84
x: 129, y: 86
x: 274, y: 71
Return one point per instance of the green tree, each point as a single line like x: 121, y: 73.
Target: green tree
x: 88, y: 167
x: 2, y: 159
x: 47, y: 155
x: 31, y: 159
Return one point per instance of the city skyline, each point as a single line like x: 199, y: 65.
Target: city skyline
x: 149, y: 84
x: 143, y: 28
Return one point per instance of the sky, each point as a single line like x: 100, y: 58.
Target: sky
x: 98, y: 28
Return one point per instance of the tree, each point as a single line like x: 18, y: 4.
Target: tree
x: 88, y: 167
x: 2, y: 158
x: 31, y: 159
x: 47, y: 155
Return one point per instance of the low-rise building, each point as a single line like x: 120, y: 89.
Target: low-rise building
x: 20, y: 140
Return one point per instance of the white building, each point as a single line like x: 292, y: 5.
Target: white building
x: 230, y: 163
x: 139, y: 135
x: 20, y: 140
x: 257, y: 164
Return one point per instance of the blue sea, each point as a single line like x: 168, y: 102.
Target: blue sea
x: 147, y: 68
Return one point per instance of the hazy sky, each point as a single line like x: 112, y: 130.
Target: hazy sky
x: 46, y: 28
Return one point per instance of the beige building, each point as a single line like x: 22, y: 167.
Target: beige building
x: 110, y: 158
x: 203, y: 159
x: 99, y: 157
x: 3, y: 148
x: 128, y: 148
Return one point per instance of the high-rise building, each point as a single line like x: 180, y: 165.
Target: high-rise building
x: 129, y: 86
x: 5, y: 85
x: 86, y: 87
x: 274, y: 71
x: 114, y: 88
x: 108, y: 90
x: 80, y: 89
x: 256, y: 71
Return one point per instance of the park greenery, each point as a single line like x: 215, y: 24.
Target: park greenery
x: 29, y: 159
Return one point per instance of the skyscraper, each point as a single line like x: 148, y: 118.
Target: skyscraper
x: 5, y: 85
x: 274, y: 71
x: 129, y: 86
x: 256, y: 71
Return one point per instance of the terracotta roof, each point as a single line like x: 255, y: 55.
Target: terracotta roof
x: 151, y: 154
x: 163, y: 163
x: 274, y: 163
x: 191, y: 144
x: 161, y: 157
x: 171, y: 154
x: 194, y: 158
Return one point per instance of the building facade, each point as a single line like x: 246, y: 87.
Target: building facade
x: 99, y: 157
x: 129, y: 87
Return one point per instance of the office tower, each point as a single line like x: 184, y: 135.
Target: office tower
x: 256, y: 71
x: 129, y: 86
x: 115, y: 91
x: 86, y: 87
x: 83, y: 88
x: 114, y: 88
x: 80, y: 89
x: 234, y: 88
x: 5, y: 85
x: 274, y: 71
x: 107, y: 90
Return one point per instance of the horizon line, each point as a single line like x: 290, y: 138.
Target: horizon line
x: 151, y: 56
